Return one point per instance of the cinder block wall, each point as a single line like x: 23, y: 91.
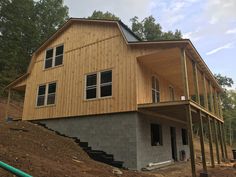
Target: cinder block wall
x: 113, y: 133
x: 147, y: 153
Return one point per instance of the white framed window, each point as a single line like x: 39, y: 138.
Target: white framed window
x: 98, y: 85
x: 46, y: 94
x: 155, y: 90
x: 54, y: 56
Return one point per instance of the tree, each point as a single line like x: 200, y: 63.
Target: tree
x: 24, y: 25
x: 228, y: 98
x: 148, y: 29
x: 103, y: 15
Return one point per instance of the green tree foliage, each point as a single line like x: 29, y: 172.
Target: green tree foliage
x: 103, y: 15
x: 148, y: 29
x: 24, y: 25
x: 229, y: 106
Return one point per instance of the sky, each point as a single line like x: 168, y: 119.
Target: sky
x: 209, y: 24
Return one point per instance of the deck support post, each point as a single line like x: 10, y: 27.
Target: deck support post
x: 210, y: 141
x: 190, y: 135
x: 196, y: 86
x: 204, y: 172
x: 224, y: 140
x: 216, y: 141
x: 184, y: 73
x: 221, y: 142
x: 8, y: 104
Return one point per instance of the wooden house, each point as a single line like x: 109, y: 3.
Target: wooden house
x: 137, y: 100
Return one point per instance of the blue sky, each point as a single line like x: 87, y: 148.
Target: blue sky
x: 209, y: 24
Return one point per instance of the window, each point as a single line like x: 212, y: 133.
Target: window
x: 99, y: 85
x: 184, y: 136
x: 172, y: 93
x: 46, y: 94
x: 155, y: 90
x: 54, y: 57
x: 106, y: 84
x: 91, y: 86
x: 156, y: 135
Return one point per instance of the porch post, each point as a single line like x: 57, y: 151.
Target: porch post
x: 216, y: 141
x: 216, y: 103
x: 205, y: 92
x: 220, y: 110
x: 224, y: 139
x: 184, y: 73
x: 190, y: 133
x: 211, y: 99
x: 202, y: 145
x: 210, y: 141
x: 195, y: 76
x: 221, y: 141
x: 8, y: 104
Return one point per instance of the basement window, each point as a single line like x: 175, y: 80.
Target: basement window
x: 155, y: 90
x: 99, y: 85
x: 156, y: 135
x: 54, y: 57
x: 184, y: 136
x: 46, y: 94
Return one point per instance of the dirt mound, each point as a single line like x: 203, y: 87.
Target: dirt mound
x: 41, y: 152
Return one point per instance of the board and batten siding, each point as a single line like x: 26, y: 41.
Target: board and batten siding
x: 87, y: 48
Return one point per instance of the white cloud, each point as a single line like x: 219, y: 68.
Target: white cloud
x: 231, y: 31
x: 192, y: 35
x: 226, y: 46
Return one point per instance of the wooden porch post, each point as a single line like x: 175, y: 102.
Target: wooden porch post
x: 202, y: 145
x: 216, y: 141
x: 205, y: 92
x: 221, y: 141
x: 8, y: 104
x: 196, y: 86
x: 224, y: 139
x: 210, y: 141
x: 211, y: 99
x: 190, y: 135
x: 220, y: 107
x: 216, y: 104
x: 184, y: 73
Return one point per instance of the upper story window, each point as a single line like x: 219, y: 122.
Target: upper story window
x: 172, y: 93
x: 46, y: 94
x: 99, y: 85
x: 54, y: 57
x: 155, y: 90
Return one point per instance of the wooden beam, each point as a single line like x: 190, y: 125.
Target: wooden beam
x: 224, y: 139
x: 211, y: 98
x: 196, y: 86
x: 190, y: 135
x: 184, y: 73
x: 216, y: 104
x: 205, y: 92
x: 221, y: 112
x: 210, y: 141
x: 8, y: 104
x: 221, y: 141
x: 202, y: 144
x: 216, y: 141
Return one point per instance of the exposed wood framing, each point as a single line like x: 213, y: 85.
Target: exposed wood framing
x: 190, y: 133
x: 211, y: 98
x: 202, y: 144
x: 205, y: 92
x: 196, y: 86
x: 221, y: 141
x: 210, y: 141
x: 216, y: 141
x: 224, y: 140
x: 184, y: 73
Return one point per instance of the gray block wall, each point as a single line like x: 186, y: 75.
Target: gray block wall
x: 147, y: 153
x: 125, y: 135
x: 113, y: 133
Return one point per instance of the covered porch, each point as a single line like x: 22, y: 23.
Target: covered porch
x: 196, y: 97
